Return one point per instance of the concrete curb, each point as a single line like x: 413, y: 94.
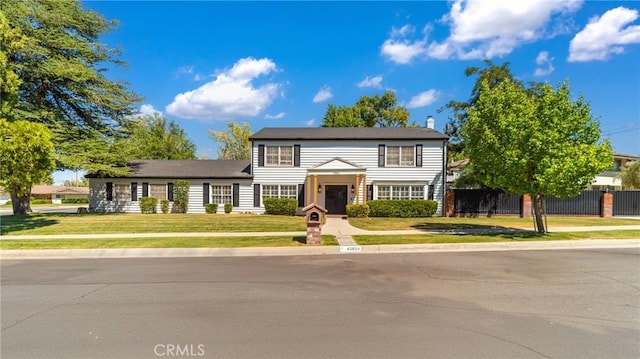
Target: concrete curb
x: 320, y: 250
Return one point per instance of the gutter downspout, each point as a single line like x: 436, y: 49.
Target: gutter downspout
x: 444, y: 177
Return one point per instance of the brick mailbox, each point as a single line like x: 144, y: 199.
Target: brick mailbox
x: 314, y: 214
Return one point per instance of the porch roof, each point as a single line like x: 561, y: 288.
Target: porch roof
x: 337, y: 166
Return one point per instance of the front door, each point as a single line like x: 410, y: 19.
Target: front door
x: 335, y: 199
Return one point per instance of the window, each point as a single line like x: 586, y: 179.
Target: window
x: 280, y: 191
x: 158, y: 191
x: 221, y: 194
x: 400, y: 192
x: 401, y: 156
x: 122, y: 192
x: 279, y: 156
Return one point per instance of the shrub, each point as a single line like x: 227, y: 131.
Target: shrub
x: 358, y: 210
x: 164, y: 206
x: 228, y: 207
x: 404, y: 208
x: 211, y: 208
x: 40, y: 201
x: 281, y: 206
x: 75, y: 200
x: 181, y: 195
x: 148, y: 204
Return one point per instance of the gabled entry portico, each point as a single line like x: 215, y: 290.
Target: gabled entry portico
x: 336, y: 183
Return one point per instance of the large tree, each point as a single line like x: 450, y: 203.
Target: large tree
x: 630, y: 175
x: 492, y: 75
x: 153, y: 137
x: 233, y: 144
x: 368, y: 111
x: 27, y: 159
x: 535, y: 141
x: 52, y: 53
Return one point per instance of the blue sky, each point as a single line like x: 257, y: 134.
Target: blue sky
x: 279, y: 64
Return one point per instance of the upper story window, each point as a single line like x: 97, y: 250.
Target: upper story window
x: 279, y: 156
x: 400, y: 156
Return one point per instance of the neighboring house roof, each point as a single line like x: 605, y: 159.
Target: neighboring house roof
x: 458, y: 165
x: 625, y: 156
x: 49, y: 189
x: 348, y: 133
x: 188, y: 169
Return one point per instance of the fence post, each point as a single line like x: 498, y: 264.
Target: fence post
x: 450, y: 203
x: 606, y: 204
x: 525, y: 208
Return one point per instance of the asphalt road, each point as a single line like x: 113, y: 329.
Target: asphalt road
x: 508, y: 304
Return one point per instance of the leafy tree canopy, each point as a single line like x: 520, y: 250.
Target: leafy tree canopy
x: 233, y: 144
x: 380, y: 111
x: 27, y: 159
x: 534, y: 141
x: 154, y: 138
x: 630, y: 175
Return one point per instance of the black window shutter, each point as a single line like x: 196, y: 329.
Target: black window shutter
x: 205, y: 193
x: 380, y: 155
x: 134, y: 191
x: 145, y: 189
x: 369, y: 192
x: 430, y: 192
x: 170, y: 191
x: 236, y: 194
x: 256, y: 195
x: 418, y: 155
x: 109, y: 191
x: 260, y: 155
x: 296, y: 155
x: 301, y: 195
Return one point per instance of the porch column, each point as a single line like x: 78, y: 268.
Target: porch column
x: 364, y: 185
x: 315, y: 188
x: 307, y: 191
x: 357, y: 189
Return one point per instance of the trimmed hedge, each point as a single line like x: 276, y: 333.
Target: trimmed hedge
x: 358, y: 210
x: 148, y: 204
x: 181, y: 195
x: 164, y: 206
x: 211, y: 208
x: 403, y: 208
x: 281, y: 206
x: 228, y: 207
x: 75, y: 200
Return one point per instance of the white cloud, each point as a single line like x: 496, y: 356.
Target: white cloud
x: 148, y: 109
x: 481, y: 29
x: 323, y: 94
x: 403, y: 31
x: 231, y: 94
x: 423, y: 99
x: 543, y: 59
x: 184, y: 70
x: 275, y: 117
x: 605, y: 35
x: 370, y: 82
x: 310, y: 123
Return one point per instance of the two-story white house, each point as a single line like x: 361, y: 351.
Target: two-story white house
x: 329, y: 166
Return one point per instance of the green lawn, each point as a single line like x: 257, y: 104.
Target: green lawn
x: 518, y: 236
x: 200, y: 242
x: 437, y: 223
x: 45, y: 223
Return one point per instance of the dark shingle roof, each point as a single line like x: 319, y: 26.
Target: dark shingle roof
x: 348, y: 133
x: 189, y: 169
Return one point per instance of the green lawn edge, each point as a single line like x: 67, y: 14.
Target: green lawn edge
x: 169, y: 242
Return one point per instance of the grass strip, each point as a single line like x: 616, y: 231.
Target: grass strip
x: 437, y: 223
x: 496, y: 237
x: 200, y: 242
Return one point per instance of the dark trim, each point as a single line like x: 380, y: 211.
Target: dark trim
x: 145, y: 189
x: 256, y: 195
x: 134, y: 191
x: 381, y: 154
x: 301, y: 195
x: 236, y: 195
x: 418, y: 155
x: 369, y: 192
x: 205, y: 193
x: 109, y: 191
x: 296, y: 155
x: 430, y: 192
x: 170, y: 191
x: 260, y: 155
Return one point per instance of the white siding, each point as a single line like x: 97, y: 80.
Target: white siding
x: 362, y: 153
